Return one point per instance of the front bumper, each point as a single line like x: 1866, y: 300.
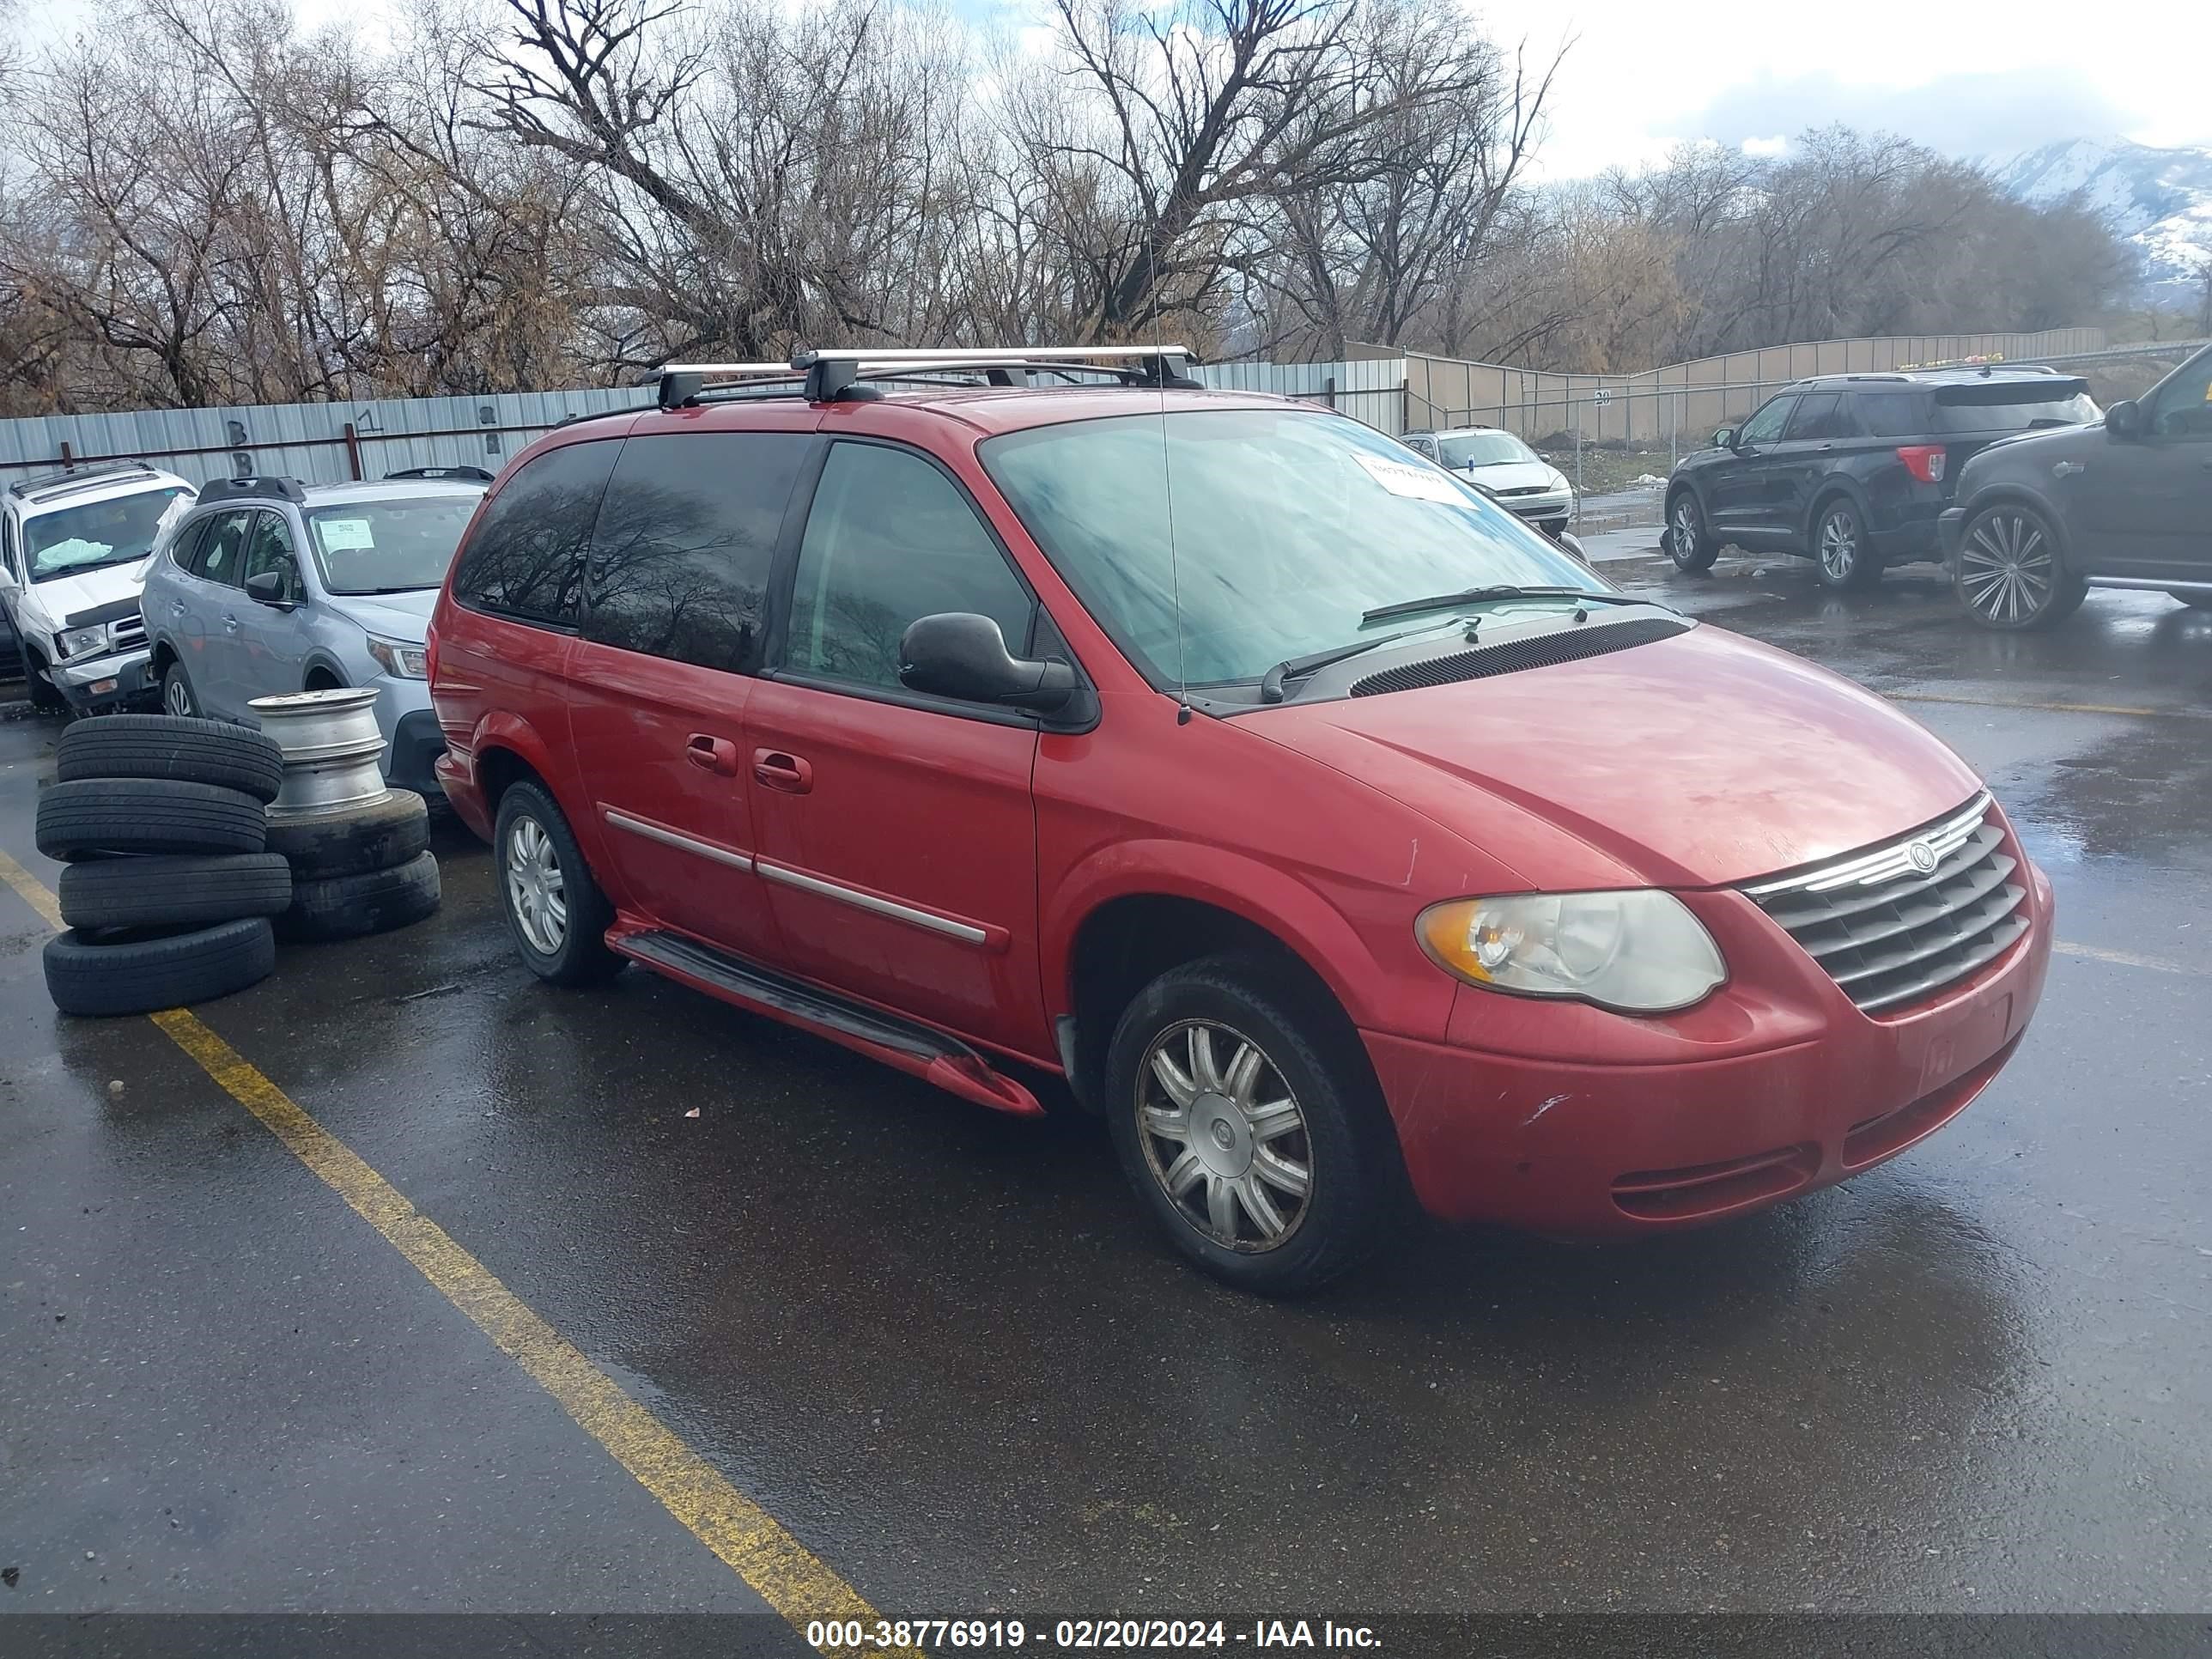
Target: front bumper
x: 97, y: 685
x: 1540, y: 509
x: 1592, y: 1149
x: 410, y: 759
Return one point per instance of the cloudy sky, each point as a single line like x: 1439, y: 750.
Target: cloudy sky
x: 1969, y: 77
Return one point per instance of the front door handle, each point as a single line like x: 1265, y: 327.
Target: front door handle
x: 718, y: 754
x: 230, y: 624
x: 176, y: 607
x: 777, y: 770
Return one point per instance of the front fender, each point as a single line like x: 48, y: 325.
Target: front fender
x: 1406, y: 995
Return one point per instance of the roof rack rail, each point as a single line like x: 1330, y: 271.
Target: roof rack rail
x: 837, y: 372
x: 256, y: 487
x: 40, y: 483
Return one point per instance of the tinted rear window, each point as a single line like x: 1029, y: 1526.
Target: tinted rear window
x: 526, y: 558
x: 2013, y: 417
x: 1894, y: 414
x: 680, y: 560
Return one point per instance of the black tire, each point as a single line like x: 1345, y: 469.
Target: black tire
x: 135, y: 972
x: 164, y: 747
x: 1689, y: 542
x: 174, y: 892
x: 378, y: 837
x: 354, y: 907
x: 2195, y: 601
x: 2010, y: 571
x: 46, y: 696
x: 1841, y: 557
x: 1355, y: 1183
x: 88, y: 817
x: 178, y: 701
x: 530, y: 832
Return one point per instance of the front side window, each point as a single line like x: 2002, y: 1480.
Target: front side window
x: 680, y: 560
x: 1484, y: 449
x: 1766, y: 427
x: 889, y: 540
x: 221, y: 555
x: 526, y: 558
x: 2183, y: 405
x: 270, y: 549
x: 388, y: 547
x: 1278, y: 529
x: 74, y: 538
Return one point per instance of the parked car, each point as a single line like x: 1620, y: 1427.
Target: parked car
x: 1523, y: 482
x: 2127, y: 502
x: 1331, y: 836
x: 236, y: 613
x: 1852, y: 471
x: 71, y: 546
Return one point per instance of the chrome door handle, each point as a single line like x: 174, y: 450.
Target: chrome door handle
x: 2065, y: 469
x: 230, y: 624
x: 176, y: 607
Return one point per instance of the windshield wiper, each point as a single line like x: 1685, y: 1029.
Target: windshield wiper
x: 1496, y: 591
x: 1297, y: 668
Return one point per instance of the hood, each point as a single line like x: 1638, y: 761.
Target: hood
x: 2045, y: 437
x: 1699, y: 761
x: 1516, y: 475
x: 402, y: 616
x: 63, y: 597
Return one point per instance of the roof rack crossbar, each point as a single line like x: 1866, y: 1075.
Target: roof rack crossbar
x: 838, y: 372
x: 255, y: 487
x: 77, y: 477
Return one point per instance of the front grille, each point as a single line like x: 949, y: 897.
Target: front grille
x: 1526, y: 489
x: 1592, y: 639
x: 128, y: 632
x: 1890, y: 932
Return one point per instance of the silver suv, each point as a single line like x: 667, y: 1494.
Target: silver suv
x: 268, y: 586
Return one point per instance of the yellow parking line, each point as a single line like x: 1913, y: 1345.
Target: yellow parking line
x: 2130, y: 710
x: 780, y: 1570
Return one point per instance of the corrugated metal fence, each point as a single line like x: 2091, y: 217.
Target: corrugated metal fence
x: 329, y: 443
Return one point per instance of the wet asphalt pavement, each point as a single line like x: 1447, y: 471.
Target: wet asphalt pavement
x: 944, y: 1348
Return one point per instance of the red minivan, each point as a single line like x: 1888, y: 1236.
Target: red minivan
x: 1334, y: 834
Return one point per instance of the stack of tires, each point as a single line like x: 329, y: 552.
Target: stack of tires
x: 358, y: 870
x: 169, y: 887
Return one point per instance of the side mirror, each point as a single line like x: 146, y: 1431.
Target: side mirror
x: 2125, y: 419
x: 269, y: 588
x: 957, y: 653
x: 1725, y: 438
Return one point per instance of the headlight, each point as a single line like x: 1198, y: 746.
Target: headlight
x: 80, y: 641
x: 1640, y: 952
x: 399, y: 660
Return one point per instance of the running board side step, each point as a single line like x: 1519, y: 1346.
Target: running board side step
x: 913, y: 1048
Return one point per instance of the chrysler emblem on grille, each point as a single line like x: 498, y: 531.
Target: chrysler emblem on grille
x: 1923, y: 856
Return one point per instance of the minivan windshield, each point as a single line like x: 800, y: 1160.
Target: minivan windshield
x: 1287, y: 526
x: 389, y: 547
x: 113, y: 531
x: 1484, y: 449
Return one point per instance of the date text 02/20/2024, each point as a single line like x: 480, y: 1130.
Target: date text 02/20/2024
x: 832, y: 1636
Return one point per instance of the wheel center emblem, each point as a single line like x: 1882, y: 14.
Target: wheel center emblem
x: 1923, y: 856
x: 1224, y: 1136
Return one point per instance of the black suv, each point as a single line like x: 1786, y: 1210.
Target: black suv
x: 2043, y: 517
x: 1851, y: 470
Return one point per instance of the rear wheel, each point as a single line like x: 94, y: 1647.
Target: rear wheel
x: 2008, y: 575
x: 1252, y: 1131
x: 1839, y: 547
x: 1689, y: 544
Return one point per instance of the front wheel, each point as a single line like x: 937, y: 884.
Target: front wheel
x: 1253, y: 1133
x: 2008, y: 573
x: 1839, y: 544
x: 177, y: 698
x: 554, y: 910
x: 1688, y: 543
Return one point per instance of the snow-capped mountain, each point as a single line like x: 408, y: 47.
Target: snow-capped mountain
x: 2159, y: 199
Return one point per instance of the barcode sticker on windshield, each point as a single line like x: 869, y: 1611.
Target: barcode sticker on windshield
x: 345, y: 535
x: 1421, y: 483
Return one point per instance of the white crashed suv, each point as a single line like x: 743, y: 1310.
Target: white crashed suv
x: 73, y: 551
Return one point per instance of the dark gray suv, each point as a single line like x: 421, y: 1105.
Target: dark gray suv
x: 2126, y: 502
